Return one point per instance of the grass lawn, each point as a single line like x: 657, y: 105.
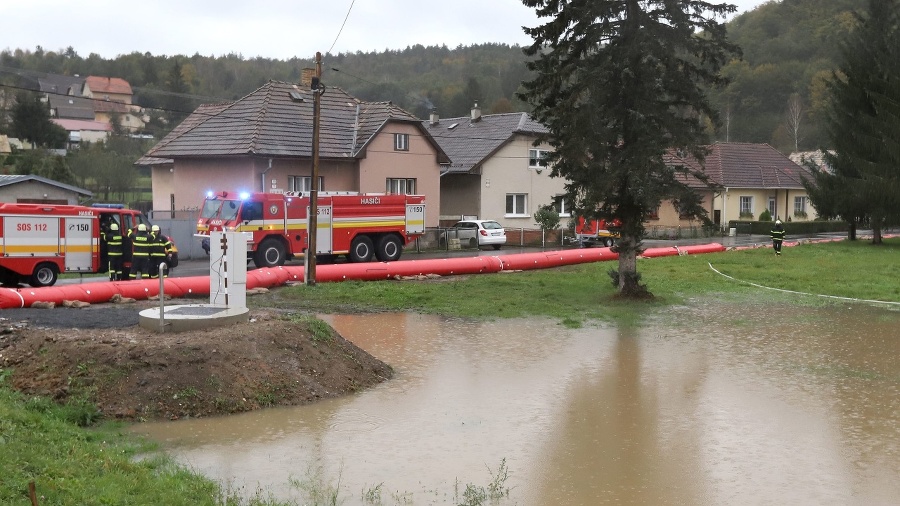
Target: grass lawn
x: 580, y: 292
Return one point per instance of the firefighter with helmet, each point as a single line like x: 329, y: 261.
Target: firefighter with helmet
x: 140, y: 256
x: 160, y: 249
x: 114, y: 248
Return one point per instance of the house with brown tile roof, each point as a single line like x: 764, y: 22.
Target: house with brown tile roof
x: 748, y: 179
x: 111, y: 89
x: 496, y: 172
x: 263, y: 142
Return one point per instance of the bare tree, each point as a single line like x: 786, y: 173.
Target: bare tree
x: 794, y: 115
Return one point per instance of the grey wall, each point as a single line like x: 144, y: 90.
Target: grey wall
x: 181, y: 232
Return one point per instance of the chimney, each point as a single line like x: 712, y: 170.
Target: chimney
x: 476, y: 113
x: 434, y: 120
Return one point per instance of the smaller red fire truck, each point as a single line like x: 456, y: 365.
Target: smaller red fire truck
x: 38, y: 241
x: 594, y: 232
x: 359, y: 225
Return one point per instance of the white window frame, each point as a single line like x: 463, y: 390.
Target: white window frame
x: 301, y: 183
x: 400, y: 186
x: 562, y: 208
x: 401, y: 142
x: 519, y: 207
x: 746, y: 204
x: 772, y: 206
x: 537, y: 158
x: 800, y: 202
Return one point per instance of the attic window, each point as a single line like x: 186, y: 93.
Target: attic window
x: 296, y: 96
x: 451, y: 127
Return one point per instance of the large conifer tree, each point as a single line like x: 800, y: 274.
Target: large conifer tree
x: 863, y: 124
x: 619, y: 83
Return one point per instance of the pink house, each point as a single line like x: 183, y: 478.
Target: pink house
x: 263, y: 142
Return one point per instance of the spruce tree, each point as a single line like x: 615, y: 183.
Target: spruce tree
x: 619, y: 84
x: 862, y: 122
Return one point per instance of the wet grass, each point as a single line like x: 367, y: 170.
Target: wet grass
x: 39, y: 443
x: 572, y: 294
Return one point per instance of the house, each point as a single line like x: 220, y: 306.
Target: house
x: 84, y: 130
x: 816, y: 158
x: 263, y: 142
x: 29, y: 189
x: 496, y: 172
x: 94, y: 98
x: 748, y: 179
x: 56, y: 84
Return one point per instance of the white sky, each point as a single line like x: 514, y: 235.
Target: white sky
x: 278, y: 29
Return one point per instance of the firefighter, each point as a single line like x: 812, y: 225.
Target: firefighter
x: 140, y: 256
x: 777, y: 234
x: 160, y: 249
x: 113, y: 240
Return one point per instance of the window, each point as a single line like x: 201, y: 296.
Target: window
x: 562, y: 207
x: 400, y: 186
x: 301, y: 183
x: 772, y: 206
x: 401, y: 142
x: 536, y: 158
x: 515, y: 204
x: 653, y: 214
x: 746, y: 207
x: 800, y: 206
x: 252, y: 211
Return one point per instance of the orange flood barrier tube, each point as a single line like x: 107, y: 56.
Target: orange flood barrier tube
x: 102, y: 291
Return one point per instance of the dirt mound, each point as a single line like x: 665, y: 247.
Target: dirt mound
x: 136, y: 374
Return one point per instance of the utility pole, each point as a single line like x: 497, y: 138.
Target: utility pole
x: 312, y: 230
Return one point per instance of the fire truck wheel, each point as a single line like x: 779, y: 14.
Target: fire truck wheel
x: 389, y: 248
x: 269, y: 254
x: 607, y: 242
x: 361, y: 250
x: 44, y: 275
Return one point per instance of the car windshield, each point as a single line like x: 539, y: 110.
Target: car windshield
x: 230, y: 209
x: 491, y: 225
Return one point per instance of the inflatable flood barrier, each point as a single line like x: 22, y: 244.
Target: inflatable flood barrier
x: 103, y: 291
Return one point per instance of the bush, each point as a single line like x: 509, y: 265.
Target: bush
x: 765, y: 216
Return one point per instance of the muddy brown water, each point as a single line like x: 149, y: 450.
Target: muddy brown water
x: 703, y: 405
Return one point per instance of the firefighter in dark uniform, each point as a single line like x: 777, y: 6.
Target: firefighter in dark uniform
x: 140, y: 256
x: 113, y: 240
x: 777, y: 237
x: 160, y: 247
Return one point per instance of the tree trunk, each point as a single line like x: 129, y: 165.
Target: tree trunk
x: 851, y: 232
x: 876, y: 233
x: 629, y: 281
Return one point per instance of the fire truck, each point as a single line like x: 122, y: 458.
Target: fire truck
x: 361, y: 226
x: 594, y: 232
x: 38, y: 242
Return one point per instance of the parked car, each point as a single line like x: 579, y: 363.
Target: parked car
x: 475, y: 234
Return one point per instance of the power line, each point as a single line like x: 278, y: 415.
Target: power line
x: 342, y: 26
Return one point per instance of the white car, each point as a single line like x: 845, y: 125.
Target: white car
x: 476, y: 233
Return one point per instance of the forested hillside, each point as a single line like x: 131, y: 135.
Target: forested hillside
x: 789, y: 50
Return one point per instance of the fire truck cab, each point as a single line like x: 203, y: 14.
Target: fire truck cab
x: 361, y: 226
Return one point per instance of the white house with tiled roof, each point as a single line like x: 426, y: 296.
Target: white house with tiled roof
x: 495, y: 172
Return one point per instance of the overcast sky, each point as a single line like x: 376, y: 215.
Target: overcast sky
x: 278, y: 29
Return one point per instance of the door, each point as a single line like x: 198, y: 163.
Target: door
x: 80, y: 244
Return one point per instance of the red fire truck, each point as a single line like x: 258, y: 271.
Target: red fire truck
x: 359, y: 225
x: 38, y: 242
x: 594, y: 232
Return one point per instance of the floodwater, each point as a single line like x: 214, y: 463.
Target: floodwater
x: 701, y: 405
